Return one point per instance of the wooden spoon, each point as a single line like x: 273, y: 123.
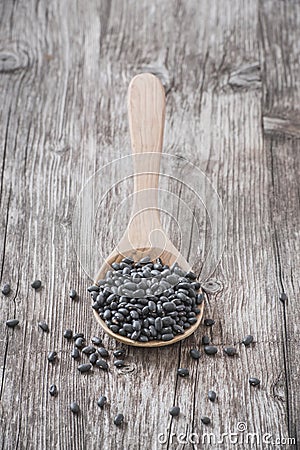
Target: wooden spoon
x: 144, y: 234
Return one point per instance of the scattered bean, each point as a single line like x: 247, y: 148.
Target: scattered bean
x: 254, y: 381
x: 209, y: 322
x: 88, y: 350
x: 205, y: 340
x: 96, y: 340
x: 230, y: 351
x: 80, y: 342
x: 283, y: 297
x: 103, y: 352
x: 174, y: 411
x: 75, y: 353
x: 12, y: 323
x: 247, y: 340
x: 119, y: 363
x: 212, y: 396
x: 53, y: 390
x: 182, y: 372
x: 102, y: 364
x: 36, y: 284
x: 195, y: 354
x: 74, y: 407
x: 101, y: 401
x: 43, y: 326
x: 118, y: 420
x: 68, y: 334
x: 84, y: 368
x: 52, y: 356
x: 205, y: 420
x: 72, y: 294
x: 6, y: 289
x: 210, y: 350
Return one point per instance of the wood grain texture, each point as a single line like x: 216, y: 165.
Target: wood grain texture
x: 228, y: 67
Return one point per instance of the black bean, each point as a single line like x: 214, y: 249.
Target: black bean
x: 182, y: 372
x: 75, y: 353
x: 136, y: 324
x: 96, y: 340
x: 53, y: 390
x: 195, y: 354
x: 152, y: 330
x: 192, y: 320
x: 12, y: 323
x: 118, y: 353
x: 101, y: 401
x: 167, y: 321
x: 145, y: 260
x: 254, y: 381
x: 93, y: 288
x: 210, y: 350
x: 118, y: 420
x: 199, y: 299
x: 93, y: 358
x: 247, y: 340
x: 68, y: 334
x: 178, y: 329
x: 191, y: 275
x: 123, y: 311
x: 72, y: 294
x: 36, y: 284
x: 167, y: 337
x: 102, y: 364
x: 209, y: 322
x: 6, y: 289
x: 205, y: 420
x: 78, y: 335
x: 80, y: 342
x: 103, y: 352
x: 143, y: 338
x: 283, y: 297
x: 205, y: 340
x: 230, y: 351
x: 107, y: 314
x: 114, y: 328
x: 158, y: 324
x: 119, y: 363
x: 74, y: 407
x: 88, y: 350
x: 174, y: 411
x: 135, y: 335
x: 43, y: 326
x: 52, y: 356
x: 84, y: 367
x: 196, y: 285
x: 128, y: 328
x: 128, y: 260
x: 115, y: 266
x: 169, y: 306
x: 212, y: 396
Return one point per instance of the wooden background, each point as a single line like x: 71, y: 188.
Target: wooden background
x: 231, y: 72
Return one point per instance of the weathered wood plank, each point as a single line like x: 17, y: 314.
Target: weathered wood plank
x: 64, y: 71
x: 280, y: 61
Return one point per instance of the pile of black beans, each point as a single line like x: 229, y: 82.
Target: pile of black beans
x: 146, y: 300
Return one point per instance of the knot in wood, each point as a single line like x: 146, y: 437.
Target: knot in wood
x: 212, y: 286
x: 13, y: 57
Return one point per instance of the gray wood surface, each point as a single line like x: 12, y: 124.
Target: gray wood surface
x: 231, y: 72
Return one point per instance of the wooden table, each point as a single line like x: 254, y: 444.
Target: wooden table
x: 231, y: 73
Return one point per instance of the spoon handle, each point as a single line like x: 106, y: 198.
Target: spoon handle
x: 146, y: 111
